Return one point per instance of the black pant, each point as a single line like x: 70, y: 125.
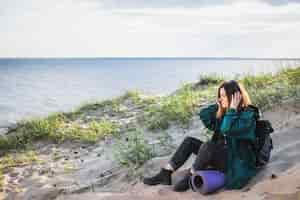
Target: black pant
x: 209, y: 154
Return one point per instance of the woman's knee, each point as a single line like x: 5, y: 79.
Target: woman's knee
x: 188, y: 139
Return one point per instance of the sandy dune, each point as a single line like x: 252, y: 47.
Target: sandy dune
x: 279, y: 180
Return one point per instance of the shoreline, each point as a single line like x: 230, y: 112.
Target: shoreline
x: 205, y: 58
x: 18, y: 106
x: 10, y: 125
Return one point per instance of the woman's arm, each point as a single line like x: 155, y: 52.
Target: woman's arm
x: 208, y: 116
x: 240, y: 125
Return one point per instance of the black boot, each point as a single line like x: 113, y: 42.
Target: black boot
x: 163, y: 177
x: 183, y: 184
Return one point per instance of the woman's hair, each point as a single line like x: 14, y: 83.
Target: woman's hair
x: 230, y: 88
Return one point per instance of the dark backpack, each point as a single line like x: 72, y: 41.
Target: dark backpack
x: 263, y: 144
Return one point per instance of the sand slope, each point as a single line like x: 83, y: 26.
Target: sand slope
x: 284, y: 166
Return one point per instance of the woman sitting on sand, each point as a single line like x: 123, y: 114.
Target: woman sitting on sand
x: 229, y: 149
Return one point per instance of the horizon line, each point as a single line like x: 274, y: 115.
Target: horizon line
x: 154, y: 57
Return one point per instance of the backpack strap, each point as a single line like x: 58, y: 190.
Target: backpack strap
x: 255, y: 109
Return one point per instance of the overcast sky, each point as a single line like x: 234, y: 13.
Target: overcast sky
x: 150, y: 28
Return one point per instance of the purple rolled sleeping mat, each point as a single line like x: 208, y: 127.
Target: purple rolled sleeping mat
x: 207, y: 181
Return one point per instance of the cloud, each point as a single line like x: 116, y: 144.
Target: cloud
x: 88, y: 28
x: 281, y: 2
x: 126, y: 4
x: 8, y: 6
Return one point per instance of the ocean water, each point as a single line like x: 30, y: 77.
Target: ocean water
x: 37, y: 87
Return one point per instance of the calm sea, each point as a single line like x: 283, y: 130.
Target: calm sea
x: 36, y: 87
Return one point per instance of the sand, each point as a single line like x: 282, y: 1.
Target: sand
x: 280, y: 179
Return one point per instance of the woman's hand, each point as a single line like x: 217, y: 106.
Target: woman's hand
x: 220, y: 110
x: 235, y: 100
x: 218, y: 103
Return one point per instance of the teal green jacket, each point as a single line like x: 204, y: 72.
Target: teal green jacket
x: 239, y: 132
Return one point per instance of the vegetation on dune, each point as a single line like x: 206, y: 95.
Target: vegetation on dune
x: 178, y: 108
x: 57, y: 128
x: 267, y: 90
x: 210, y: 79
x: 112, y: 105
x: 134, y: 150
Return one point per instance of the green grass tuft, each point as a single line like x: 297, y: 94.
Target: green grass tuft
x: 210, y: 79
x: 134, y: 151
x: 267, y: 90
x: 58, y: 129
x: 179, y: 108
